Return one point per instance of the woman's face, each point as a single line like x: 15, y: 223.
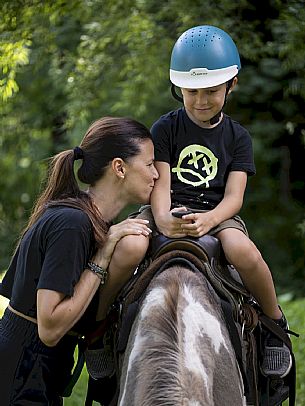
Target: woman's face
x: 141, y: 174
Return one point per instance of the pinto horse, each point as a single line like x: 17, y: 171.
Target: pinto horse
x: 186, y: 332
x: 179, y: 352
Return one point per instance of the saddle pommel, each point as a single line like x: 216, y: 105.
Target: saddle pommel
x: 204, y: 248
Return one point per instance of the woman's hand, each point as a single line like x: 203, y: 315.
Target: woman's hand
x: 171, y: 226
x: 115, y: 233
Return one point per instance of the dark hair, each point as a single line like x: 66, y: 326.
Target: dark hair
x: 106, y: 139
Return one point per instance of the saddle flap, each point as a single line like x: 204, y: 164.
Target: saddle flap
x: 229, y: 277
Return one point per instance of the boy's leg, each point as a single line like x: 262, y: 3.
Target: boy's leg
x: 241, y: 252
x: 127, y: 255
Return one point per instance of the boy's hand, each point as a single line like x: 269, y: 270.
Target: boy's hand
x: 198, y: 224
x: 170, y: 226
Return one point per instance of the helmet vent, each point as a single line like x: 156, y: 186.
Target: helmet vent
x: 207, y: 36
x: 200, y: 41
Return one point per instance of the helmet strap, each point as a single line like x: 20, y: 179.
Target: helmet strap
x: 228, y: 87
x: 175, y: 95
x: 216, y: 118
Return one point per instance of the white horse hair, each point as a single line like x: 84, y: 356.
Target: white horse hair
x: 179, y: 352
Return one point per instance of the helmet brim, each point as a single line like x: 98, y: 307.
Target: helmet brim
x: 201, y: 78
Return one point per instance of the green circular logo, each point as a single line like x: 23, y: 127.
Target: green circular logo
x: 197, y: 165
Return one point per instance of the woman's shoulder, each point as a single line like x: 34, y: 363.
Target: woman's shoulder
x: 67, y: 217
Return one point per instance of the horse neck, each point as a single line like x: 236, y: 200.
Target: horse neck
x: 179, y: 352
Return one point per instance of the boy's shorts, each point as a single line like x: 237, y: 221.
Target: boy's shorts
x: 234, y: 222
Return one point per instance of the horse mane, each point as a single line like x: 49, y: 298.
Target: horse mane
x: 163, y: 353
x: 170, y: 347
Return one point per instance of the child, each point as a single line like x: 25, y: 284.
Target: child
x: 204, y: 158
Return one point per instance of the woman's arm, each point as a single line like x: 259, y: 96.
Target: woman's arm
x: 57, y: 313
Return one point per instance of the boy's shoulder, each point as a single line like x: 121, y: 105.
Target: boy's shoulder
x: 234, y: 124
x: 169, y: 117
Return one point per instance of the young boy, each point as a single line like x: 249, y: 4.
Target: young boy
x: 204, y: 158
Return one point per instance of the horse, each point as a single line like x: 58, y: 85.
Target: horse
x: 186, y: 332
x: 179, y: 351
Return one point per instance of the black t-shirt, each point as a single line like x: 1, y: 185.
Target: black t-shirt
x: 51, y: 255
x: 201, y: 158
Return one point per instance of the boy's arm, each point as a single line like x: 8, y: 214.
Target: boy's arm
x: 161, y: 204
x: 233, y: 197
x: 160, y: 197
x: 228, y: 207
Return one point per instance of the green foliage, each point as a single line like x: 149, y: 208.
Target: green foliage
x: 63, y: 64
x: 12, y: 56
x: 14, y: 51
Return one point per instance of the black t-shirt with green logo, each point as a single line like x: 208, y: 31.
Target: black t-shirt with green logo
x: 201, y: 158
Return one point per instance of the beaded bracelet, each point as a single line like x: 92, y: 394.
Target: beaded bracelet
x: 99, y: 271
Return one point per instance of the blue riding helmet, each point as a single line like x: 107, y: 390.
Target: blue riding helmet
x: 202, y: 57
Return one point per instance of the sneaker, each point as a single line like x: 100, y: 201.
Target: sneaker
x: 277, y: 360
x: 100, y: 358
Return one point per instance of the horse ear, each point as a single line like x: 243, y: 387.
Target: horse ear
x: 118, y: 167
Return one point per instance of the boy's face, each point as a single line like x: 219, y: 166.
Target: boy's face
x: 203, y: 104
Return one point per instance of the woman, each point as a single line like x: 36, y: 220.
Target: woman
x: 64, y: 255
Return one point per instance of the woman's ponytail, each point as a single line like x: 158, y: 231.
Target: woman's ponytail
x: 61, y: 184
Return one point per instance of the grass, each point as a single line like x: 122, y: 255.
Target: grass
x: 295, y: 313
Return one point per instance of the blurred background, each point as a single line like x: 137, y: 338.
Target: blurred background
x: 64, y: 64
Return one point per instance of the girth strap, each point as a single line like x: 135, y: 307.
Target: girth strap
x: 236, y: 341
